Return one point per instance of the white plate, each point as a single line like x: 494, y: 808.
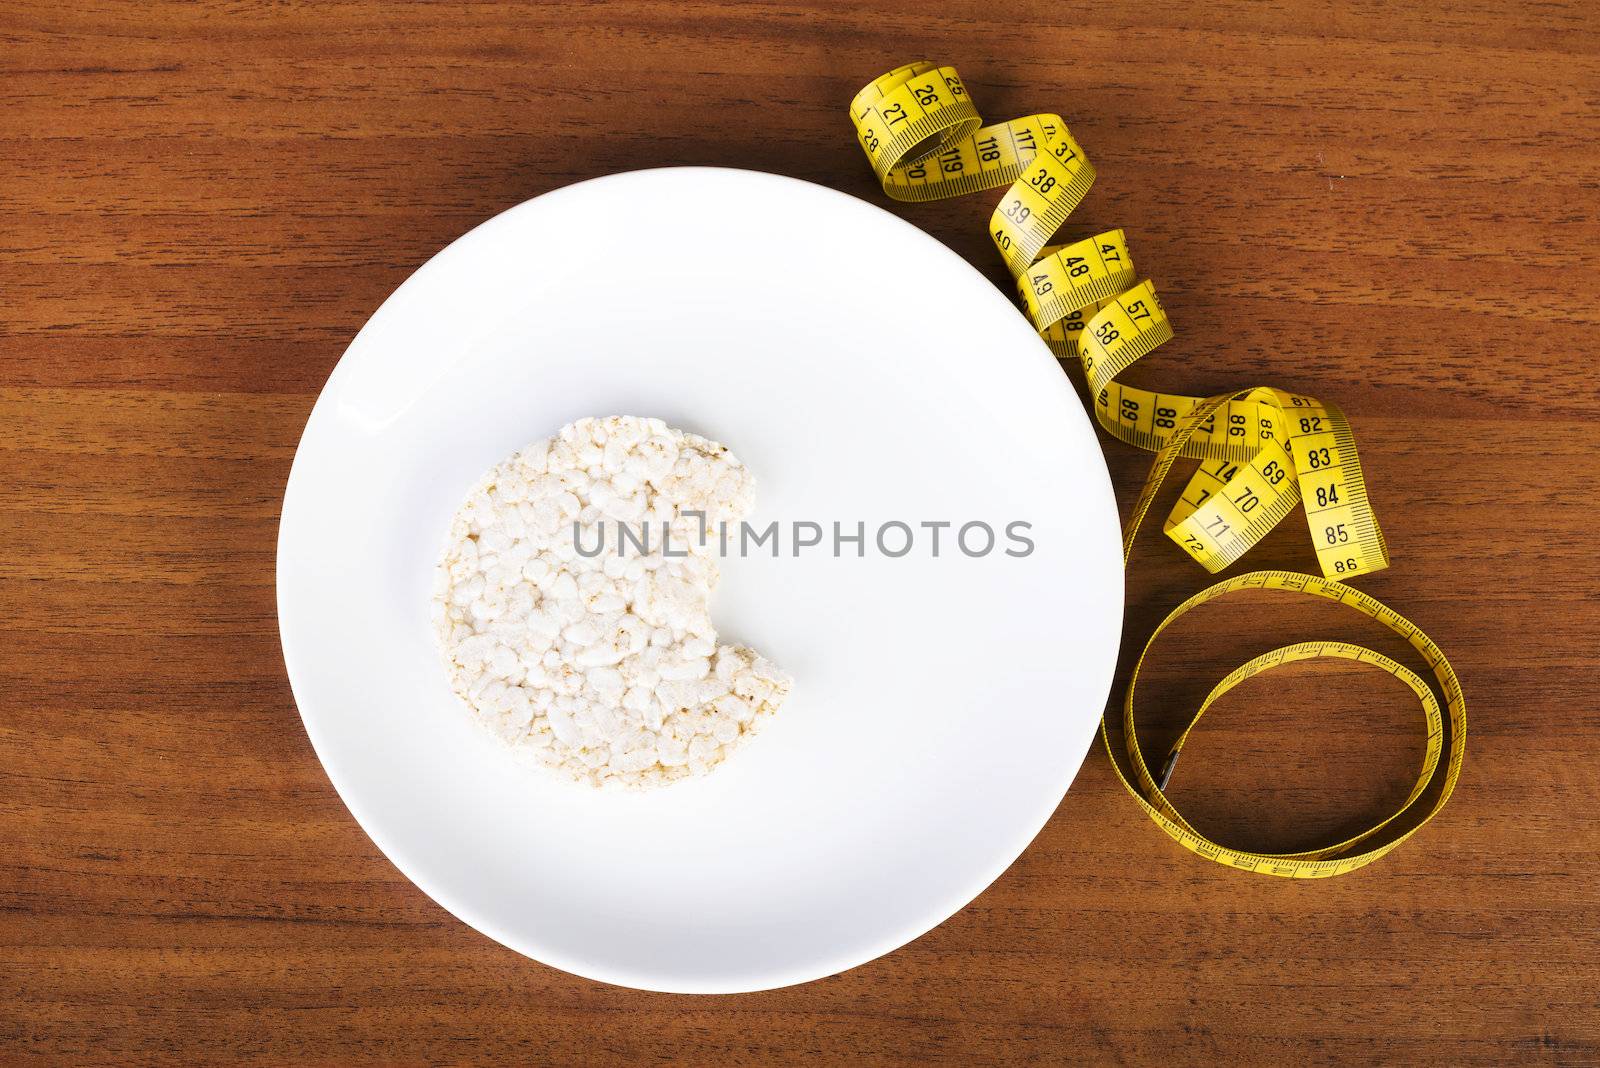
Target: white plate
x: 864, y: 373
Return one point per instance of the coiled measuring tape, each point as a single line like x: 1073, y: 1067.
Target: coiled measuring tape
x: 1262, y: 450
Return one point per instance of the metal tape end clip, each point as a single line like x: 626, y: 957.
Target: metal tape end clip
x: 1166, y: 770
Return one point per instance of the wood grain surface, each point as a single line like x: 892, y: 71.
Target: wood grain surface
x: 1393, y: 206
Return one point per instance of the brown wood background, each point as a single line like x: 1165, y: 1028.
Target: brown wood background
x: 1388, y: 205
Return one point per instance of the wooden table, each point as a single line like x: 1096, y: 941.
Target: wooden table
x: 1391, y: 206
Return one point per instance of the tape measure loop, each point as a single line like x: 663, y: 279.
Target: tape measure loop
x: 1150, y: 790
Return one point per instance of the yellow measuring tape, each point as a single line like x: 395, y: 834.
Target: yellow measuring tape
x: 1262, y: 450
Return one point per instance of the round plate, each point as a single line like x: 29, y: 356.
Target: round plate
x: 865, y: 374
